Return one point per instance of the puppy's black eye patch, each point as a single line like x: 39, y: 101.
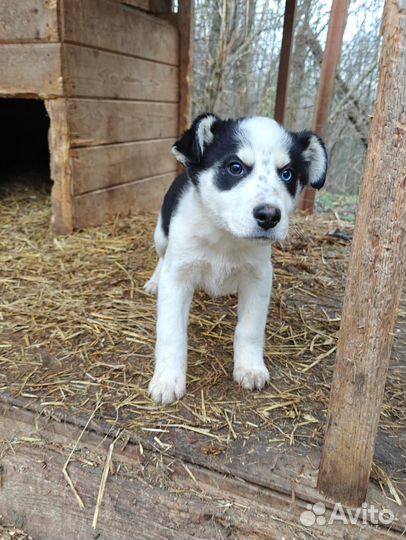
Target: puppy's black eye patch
x: 289, y: 177
x: 231, y: 172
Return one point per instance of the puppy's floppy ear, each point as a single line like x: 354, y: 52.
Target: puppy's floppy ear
x: 314, y: 155
x: 190, y: 147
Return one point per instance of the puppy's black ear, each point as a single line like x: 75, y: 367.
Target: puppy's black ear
x: 190, y: 147
x: 314, y: 155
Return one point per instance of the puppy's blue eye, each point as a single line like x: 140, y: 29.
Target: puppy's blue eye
x: 235, y: 168
x: 287, y: 175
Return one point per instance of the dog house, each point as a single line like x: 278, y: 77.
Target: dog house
x: 109, y: 74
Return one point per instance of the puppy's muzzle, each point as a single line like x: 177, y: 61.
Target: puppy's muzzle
x: 267, y: 216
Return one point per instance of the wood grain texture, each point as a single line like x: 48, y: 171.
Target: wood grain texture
x: 105, y: 205
x: 184, y: 20
x: 30, y: 70
x: 116, y: 27
x: 101, y: 74
x: 148, y: 495
x: 141, y: 4
x: 105, y: 166
x: 59, y: 144
x: 374, y: 283
x: 95, y: 122
x: 28, y: 20
x: 160, y: 6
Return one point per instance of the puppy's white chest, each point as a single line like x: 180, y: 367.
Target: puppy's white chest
x: 215, y: 277
x: 212, y: 260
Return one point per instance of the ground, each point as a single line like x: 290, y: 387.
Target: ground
x: 78, y: 336
x: 11, y: 533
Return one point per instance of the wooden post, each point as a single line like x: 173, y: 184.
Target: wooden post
x: 374, y: 283
x: 61, y: 171
x: 336, y: 26
x: 284, y: 61
x: 185, y: 26
x: 160, y: 6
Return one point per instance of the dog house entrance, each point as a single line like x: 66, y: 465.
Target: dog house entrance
x: 25, y: 156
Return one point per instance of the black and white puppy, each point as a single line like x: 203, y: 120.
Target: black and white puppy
x: 214, y: 232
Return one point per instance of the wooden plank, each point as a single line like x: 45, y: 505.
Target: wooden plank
x: 374, y: 283
x: 101, y: 74
x: 148, y: 492
x: 284, y: 61
x: 160, y: 6
x: 28, y: 20
x: 61, y: 198
x: 116, y: 27
x: 106, y: 204
x: 95, y: 122
x: 141, y: 4
x: 292, y: 472
x: 30, y: 70
x: 184, y: 20
x: 99, y: 167
x: 289, y: 471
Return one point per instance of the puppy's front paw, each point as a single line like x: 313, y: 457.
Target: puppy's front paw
x: 151, y: 286
x: 166, y: 388
x: 251, y: 378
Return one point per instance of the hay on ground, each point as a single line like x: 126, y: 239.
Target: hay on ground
x: 78, y: 329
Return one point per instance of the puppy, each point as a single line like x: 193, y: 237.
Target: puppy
x: 214, y: 232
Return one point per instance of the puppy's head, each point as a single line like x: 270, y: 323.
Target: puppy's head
x: 250, y: 172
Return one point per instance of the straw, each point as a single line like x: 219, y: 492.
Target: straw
x: 78, y: 329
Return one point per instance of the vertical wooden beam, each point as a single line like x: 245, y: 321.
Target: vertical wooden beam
x: 336, y: 26
x: 374, y: 283
x: 284, y: 61
x: 61, y: 174
x: 160, y: 6
x: 185, y: 26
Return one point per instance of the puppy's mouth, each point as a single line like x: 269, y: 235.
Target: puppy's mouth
x: 260, y: 237
x: 264, y: 238
x: 273, y: 235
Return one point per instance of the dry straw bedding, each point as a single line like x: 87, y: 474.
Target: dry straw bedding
x: 78, y: 330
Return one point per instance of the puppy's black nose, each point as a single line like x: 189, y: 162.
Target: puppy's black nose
x: 267, y: 216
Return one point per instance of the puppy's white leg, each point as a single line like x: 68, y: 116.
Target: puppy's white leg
x: 253, y: 299
x: 151, y: 286
x: 161, y: 243
x: 169, y: 381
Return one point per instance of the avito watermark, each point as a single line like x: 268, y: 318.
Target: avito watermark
x: 362, y: 515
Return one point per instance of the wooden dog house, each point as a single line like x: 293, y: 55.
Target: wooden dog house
x: 109, y: 74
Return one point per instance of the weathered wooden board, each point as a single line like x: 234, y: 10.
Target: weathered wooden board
x: 30, y: 70
x: 142, y: 4
x: 101, y: 74
x: 148, y: 494
x: 105, y: 204
x: 118, y: 28
x: 61, y: 197
x: 161, y: 6
x: 185, y: 26
x: 99, y: 167
x: 93, y: 122
x: 28, y: 20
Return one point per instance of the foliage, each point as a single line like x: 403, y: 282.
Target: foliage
x: 236, y: 49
